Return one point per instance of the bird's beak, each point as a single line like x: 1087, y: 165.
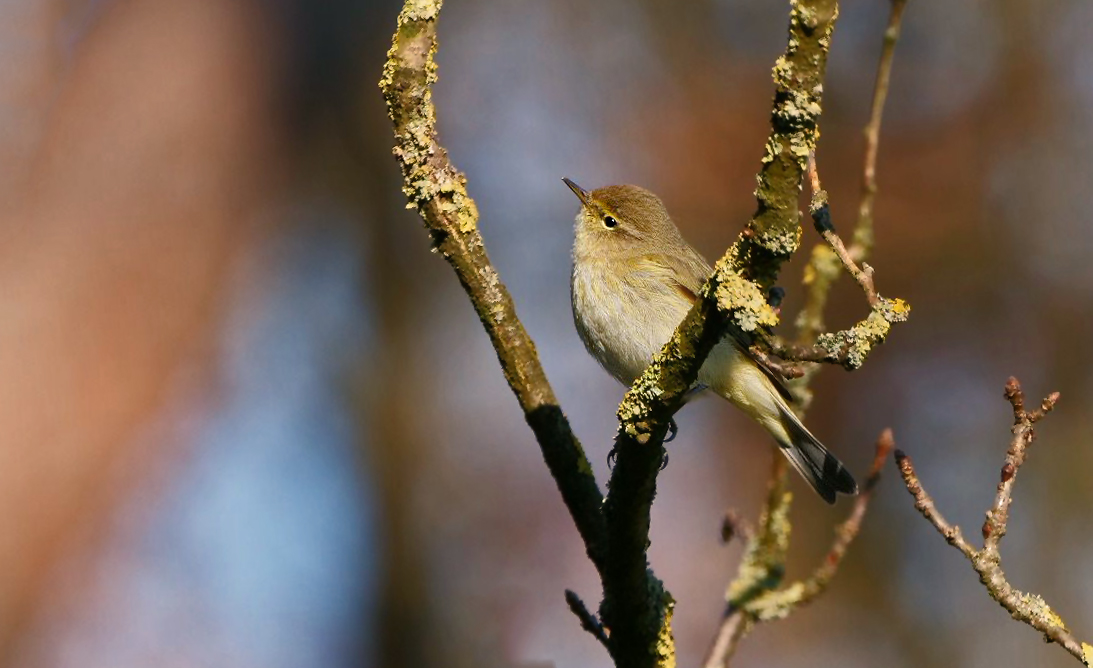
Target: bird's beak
x: 580, y: 192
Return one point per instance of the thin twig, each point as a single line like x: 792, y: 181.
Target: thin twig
x: 994, y: 527
x: 786, y: 370
x: 588, y: 620
x: 734, y: 626
x: 848, y: 348
x: 847, y: 531
x: 862, y: 242
x: 924, y: 503
x: 772, y: 604
x: 987, y: 562
x: 821, y: 218
x: 823, y: 270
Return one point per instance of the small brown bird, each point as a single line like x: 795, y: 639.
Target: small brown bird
x: 634, y: 279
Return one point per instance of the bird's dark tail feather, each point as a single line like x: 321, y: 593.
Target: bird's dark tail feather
x: 821, y: 469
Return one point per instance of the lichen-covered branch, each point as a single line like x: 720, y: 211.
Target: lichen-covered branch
x: 847, y: 348
x: 438, y: 191
x: 850, y: 347
x: 735, y: 295
x: 824, y: 267
x: 756, y: 594
x: 762, y: 568
x: 774, y: 232
x: 987, y: 562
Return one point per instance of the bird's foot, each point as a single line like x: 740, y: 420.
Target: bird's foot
x: 673, y: 430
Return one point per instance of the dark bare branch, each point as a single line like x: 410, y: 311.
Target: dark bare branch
x: 588, y: 620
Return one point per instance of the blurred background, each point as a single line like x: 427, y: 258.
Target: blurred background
x: 247, y: 419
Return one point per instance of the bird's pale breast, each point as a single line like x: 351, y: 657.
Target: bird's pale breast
x: 624, y: 317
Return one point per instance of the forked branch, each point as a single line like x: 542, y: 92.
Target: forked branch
x: 987, y: 561
x: 635, y: 616
x: 846, y: 348
x: 753, y: 599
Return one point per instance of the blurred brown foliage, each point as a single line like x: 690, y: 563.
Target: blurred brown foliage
x: 141, y: 181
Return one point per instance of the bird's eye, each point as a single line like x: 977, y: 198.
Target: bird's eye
x: 610, y: 221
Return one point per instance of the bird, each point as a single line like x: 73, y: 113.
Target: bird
x: 634, y: 279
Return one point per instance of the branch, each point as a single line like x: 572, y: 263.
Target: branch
x: 789, y: 371
x: 636, y: 608
x: 588, y: 620
x: 863, y: 233
x: 849, y: 347
x: 779, y: 604
x: 987, y: 562
x: 823, y: 267
x: 762, y: 601
x: 821, y: 220
x: 774, y: 232
x: 438, y: 191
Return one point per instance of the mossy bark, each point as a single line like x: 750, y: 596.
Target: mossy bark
x: 438, y: 191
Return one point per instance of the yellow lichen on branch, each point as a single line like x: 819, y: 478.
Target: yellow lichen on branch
x: 852, y: 346
x: 636, y: 611
x: 774, y: 232
x: 438, y: 191
x: 849, y: 348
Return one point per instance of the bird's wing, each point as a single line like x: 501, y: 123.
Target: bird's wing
x: 688, y: 271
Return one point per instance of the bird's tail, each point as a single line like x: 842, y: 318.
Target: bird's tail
x: 821, y: 469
